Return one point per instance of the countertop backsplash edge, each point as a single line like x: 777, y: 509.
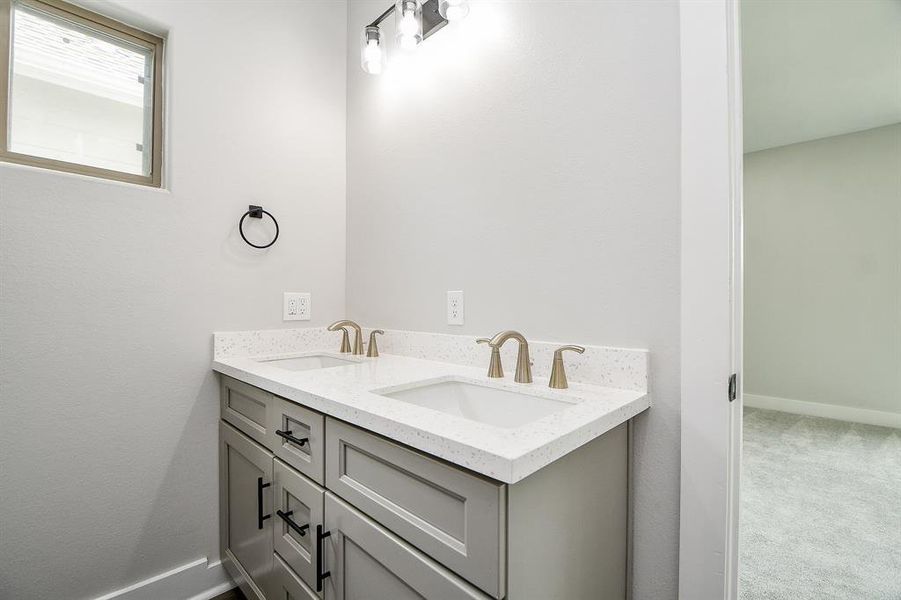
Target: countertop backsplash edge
x: 623, y: 368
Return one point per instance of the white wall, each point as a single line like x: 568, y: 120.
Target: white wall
x: 109, y: 294
x: 530, y: 157
x: 823, y: 271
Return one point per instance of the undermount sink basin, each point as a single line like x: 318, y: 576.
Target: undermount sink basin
x: 492, y: 406
x: 308, y: 363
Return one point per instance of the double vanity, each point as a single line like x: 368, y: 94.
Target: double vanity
x: 414, y: 474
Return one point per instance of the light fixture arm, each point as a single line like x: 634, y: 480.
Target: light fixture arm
x: 382, y: 17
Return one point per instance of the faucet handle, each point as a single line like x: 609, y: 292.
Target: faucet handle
x: 559, y: 351
x: 345, y: 340
x: 373, y: 350
x: 495, y: 368
x: 558, y: 371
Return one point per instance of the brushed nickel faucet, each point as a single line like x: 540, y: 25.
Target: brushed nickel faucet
x: 358, y: 336
x: 523, y: 362
x: 558, y: 371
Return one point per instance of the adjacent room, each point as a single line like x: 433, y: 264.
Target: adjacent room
x: 821, y: 486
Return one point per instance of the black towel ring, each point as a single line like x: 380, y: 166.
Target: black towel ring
x: 257, y: 212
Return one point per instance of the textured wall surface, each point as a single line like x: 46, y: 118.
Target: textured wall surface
x: 529, y: 156
x: 823, y: 271
x: 109, y: 294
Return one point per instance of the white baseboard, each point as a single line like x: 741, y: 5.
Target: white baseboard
x: 828, y: 411
x: 196, y: 580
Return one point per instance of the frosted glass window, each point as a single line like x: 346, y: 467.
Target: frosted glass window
x: 81, y: 93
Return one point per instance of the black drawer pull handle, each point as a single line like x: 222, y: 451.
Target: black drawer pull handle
x: 286, y: 517
x: 287, y: 435
x: 320, y: 576
x: 260, y: 516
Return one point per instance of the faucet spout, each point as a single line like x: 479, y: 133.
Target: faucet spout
x: 501, y: 338
x: 358, y: 334
x: 523, y: 362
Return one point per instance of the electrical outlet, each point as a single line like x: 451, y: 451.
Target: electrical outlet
x: 297, y: 306
x: 455, y: 308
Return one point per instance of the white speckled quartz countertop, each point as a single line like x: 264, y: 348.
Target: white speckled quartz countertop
x: 347, y: 393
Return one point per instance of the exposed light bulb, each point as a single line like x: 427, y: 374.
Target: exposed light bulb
x: 453, y: 10
x: 372, y: 58
x: 408, y: 23
x: 372, y: 52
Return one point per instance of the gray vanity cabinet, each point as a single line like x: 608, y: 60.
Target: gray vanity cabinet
x: 245, y: 527
x: 397, y: 523
x: 367, y: 562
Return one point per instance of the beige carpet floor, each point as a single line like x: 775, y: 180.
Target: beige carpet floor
x: 821, y: 509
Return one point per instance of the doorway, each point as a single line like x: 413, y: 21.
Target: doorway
x: 820, y: 503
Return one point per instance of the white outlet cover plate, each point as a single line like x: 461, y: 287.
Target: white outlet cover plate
x: 455, y: 308
x: 297, y: 306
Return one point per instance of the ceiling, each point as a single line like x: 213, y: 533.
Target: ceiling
x: 818, y: 68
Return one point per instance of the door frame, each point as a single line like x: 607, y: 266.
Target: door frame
x: 711, y: 313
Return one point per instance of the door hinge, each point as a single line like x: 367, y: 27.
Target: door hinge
x: 733, y: 387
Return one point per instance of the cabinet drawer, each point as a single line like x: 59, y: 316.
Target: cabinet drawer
x: 288, y: 423
x: 455, y: 517
x: 246, y: 407
x: 367, y: 562
x: 286, y: 585
x: 298, y: 510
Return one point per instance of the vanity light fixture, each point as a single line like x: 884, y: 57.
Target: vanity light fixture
x: 415, y: 21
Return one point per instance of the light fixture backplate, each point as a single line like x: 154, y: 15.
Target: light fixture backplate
x: 432, y: 20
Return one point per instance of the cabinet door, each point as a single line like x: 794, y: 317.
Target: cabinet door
x: 298, y: 510
x: 366, y: 561
x: 284, y: 584
x: 245, y: 509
